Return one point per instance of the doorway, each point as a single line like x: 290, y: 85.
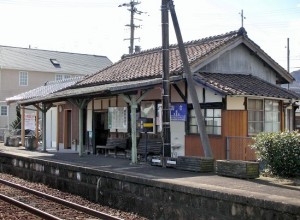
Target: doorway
x: 101, y: 128
x: 67, y: 129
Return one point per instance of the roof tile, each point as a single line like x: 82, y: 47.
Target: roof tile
x: 148, y: 64
x: 243, y: 85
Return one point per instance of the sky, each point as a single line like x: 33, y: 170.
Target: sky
x: 99, y: 26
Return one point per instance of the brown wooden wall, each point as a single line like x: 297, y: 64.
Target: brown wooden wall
x: 61, y: 122
x: 234, y: 123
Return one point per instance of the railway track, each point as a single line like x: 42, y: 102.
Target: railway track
x: 45, y: 206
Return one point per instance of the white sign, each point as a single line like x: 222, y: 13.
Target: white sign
x: 30, y: 121
x: 117, y: 118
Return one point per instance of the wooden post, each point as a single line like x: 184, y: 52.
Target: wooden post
x: 23, y: 126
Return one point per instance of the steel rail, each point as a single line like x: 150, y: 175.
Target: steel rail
x: 28, y: 208
x: 69, y: 204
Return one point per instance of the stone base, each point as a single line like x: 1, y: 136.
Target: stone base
x: 237, y: 168
x: 196, y: 164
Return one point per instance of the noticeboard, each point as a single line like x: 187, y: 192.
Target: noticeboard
x: 117, y: 118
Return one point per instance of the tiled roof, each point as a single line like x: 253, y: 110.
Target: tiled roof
x: 104, y: 89
x: 242, y: 85
x: 40, y: 60
x: 48, y: 88
x: 148, y: 64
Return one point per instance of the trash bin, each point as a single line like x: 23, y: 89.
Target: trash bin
x: 30, y: 143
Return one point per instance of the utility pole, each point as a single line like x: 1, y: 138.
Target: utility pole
x: 166, y: 128
x: 288, y: 58
x: 133, y: 10
x: 242, y: 17
x: 191, y: 88
x: 288, y: 55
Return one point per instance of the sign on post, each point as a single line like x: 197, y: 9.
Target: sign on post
x: 178, y: 111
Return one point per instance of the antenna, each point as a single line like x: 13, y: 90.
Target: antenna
x: 133, y: 10
x: 242, y: 17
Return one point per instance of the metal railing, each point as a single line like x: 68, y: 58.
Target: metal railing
x: 239, y: 148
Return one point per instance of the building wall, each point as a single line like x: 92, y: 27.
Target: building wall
x: 51, y: 124
x: 178, y: 127
x: 241, y: 60
x: 9, y: 86
x: 235, y: 103
x: 234, y: 124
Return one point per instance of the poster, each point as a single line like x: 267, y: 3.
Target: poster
x: 117, y: 118
x: 30, y: 121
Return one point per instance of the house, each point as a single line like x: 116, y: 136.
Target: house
x: 237, y: 83
x: 23, y: 69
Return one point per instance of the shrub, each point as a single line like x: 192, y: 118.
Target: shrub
x: 280, y: 152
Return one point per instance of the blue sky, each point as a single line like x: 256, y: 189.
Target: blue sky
x: 98, y: 26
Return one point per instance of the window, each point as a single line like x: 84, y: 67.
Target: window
x: 4, y: 111
x: 55, y: 63
x: 255, y: 116
x: 263, y: 115
x: 212, y: 121
x: 23, y: 78
x: 61, y: 77
x: 272, y: 116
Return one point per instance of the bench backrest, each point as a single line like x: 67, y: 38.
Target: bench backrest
x: 117, y: 142
x: 154, y: 146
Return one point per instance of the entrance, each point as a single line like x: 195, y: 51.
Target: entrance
x: 101, y: 128
x: 67, y: 129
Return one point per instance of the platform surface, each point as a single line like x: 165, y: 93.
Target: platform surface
x: 262, y: 188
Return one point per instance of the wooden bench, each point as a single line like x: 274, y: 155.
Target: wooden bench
x: 116, y: 144
x: 154, y: 146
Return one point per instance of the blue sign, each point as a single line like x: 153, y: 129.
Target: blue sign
x: 178, y: 111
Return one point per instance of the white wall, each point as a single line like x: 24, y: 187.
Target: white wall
x: 51, y: 127
x: 235, y: 103
x: 210, y: 96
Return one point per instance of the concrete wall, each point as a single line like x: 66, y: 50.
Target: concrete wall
x: 150, y: 198
x: 240, y: 60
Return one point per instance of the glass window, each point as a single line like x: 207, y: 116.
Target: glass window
x: 213, y: 121
x: 4, y: 111
x: 263, y: 115
x: 23, y: 78
x: 255, y: 116
x: 272, y: 116
x: 62, y: 77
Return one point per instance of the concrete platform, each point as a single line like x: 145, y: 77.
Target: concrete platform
x: 261, y: 189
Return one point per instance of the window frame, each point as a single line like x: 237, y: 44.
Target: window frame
x: 264, y: 121
x: 1, y: 107
x: 215, y: 127
x: 63, y: 76
x: 23, y: 78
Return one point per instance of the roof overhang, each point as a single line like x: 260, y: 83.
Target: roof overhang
x: 99, y: 90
